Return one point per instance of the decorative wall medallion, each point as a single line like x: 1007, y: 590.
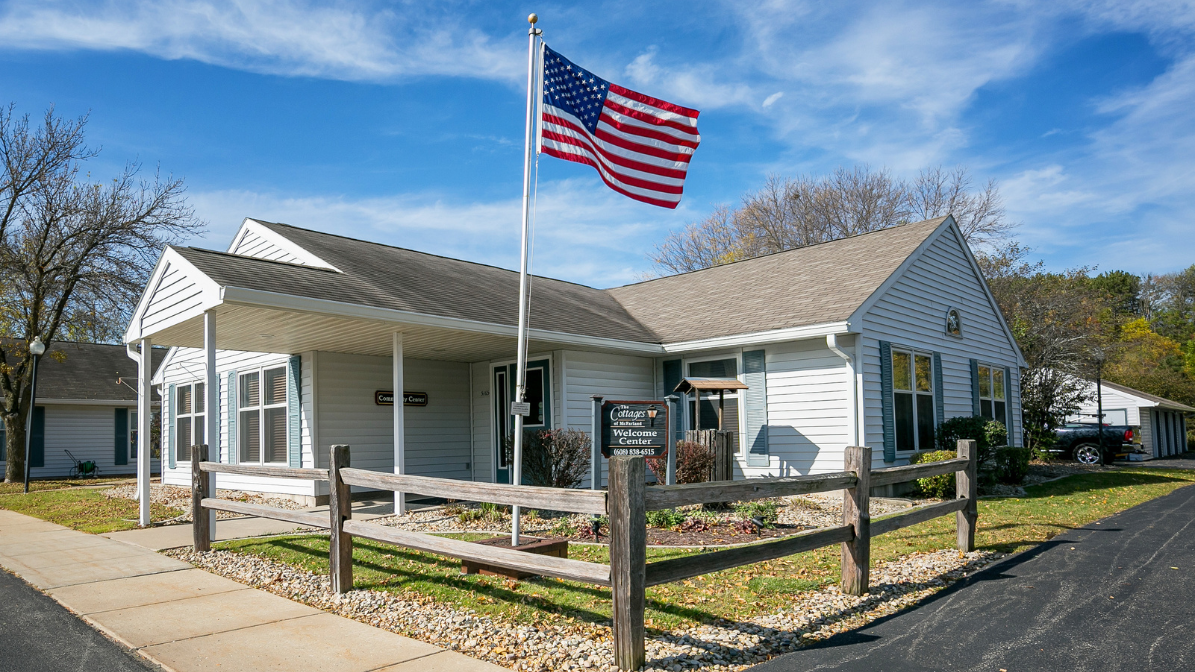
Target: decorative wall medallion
x: 954, y: 322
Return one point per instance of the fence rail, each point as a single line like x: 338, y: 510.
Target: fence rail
x: 626, y: 503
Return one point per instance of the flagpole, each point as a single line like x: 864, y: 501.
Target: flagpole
x: 521, y: 366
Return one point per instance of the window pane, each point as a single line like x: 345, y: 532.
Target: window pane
x: 133, y: 434
x: 925, y: 421
x: 275, y: 385
x: 904, y: 421
x: 997, y: 383
x: 985, y: 382
x: 1000, y: 412
x: 183, y: 403
x: 923, y: 373
x: 198, y: 431
x: 985, y: 408
x: 249, y: 390
x: 249, y: 428
x: 275, y: 439
x: 901, y: 375
x: 199, y: 398
x: 535, y: 396
x: 719, y: 368
x: 182, y: 440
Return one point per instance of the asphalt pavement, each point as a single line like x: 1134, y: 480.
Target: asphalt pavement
x: 39, y: 635
x: 1117, y: 595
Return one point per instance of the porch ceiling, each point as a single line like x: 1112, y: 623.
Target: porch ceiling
x: 257, y: 329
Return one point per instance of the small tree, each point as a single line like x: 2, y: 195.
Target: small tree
x: 553, y: 458
x: 694, y: 463
x: 74, y: 254
x: 987, y: 434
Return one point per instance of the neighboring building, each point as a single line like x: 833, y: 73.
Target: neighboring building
x: 1161, y: 423
x: 82, y: 408
x: 869, y: 340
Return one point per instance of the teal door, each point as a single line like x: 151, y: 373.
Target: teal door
x: 539, y: 395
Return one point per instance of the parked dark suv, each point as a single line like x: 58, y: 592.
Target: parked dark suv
x: 1081, y: 442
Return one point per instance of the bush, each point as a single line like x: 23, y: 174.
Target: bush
x: 694, y: 462
x: 553, y: 458
x: 665, y: 519
x: 1012, y: 464
x: 766, y: 512
x: 941, y: 487
x: 988, y: 435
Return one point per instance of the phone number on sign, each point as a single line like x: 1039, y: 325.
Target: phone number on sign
x: 634, y: 452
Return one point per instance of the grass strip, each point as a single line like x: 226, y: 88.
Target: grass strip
x: 83, y: 509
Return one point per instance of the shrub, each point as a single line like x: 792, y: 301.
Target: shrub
x: 665, y: 519
x: 1012, y: 464
x: 941, y: 486
x: 563, y: 527
x: 694, y: 463
x: 988, y: 435
x: 554, y: 458
x: 766, y: 512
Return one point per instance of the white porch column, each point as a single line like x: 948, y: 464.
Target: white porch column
x: 211, y: 406
x: 145, y: 410
x: 400, y: 460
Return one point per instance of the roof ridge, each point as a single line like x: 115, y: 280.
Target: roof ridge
x: 938, y: 221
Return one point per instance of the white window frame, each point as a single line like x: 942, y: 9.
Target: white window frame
x: 261, y: 407
x: 991, y: 399
x: 197, y: 419
x: 913, y: 354
x: 687, y: 414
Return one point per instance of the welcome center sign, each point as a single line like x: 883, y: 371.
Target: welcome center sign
x: 634, y: 428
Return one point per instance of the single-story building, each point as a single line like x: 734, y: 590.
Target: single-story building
x: 293, y: 340
x: 1160, y: 423
x: 86, y: 404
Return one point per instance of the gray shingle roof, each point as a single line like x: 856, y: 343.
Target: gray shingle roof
x: 89, y: 371
x: 813, y: 285
x: 810, y: 285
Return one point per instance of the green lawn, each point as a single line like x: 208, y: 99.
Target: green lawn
x: 1005, y: 525
x: 82, y: 509
x: 58, y: 484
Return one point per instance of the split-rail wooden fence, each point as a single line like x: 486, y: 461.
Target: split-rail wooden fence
x: 626, y: 503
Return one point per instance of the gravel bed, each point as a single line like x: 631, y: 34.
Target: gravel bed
x: 721, y: 646
x: 180, y: 498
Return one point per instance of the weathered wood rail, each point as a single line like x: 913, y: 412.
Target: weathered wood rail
x: 626, y: 503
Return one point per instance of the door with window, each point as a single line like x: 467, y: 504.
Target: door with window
x: 262, y: 416
x: 538, y: 394
x: 188, y: 420
x: 913, y: 399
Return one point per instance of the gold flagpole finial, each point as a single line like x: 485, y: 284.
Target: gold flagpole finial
x: 532, y: 18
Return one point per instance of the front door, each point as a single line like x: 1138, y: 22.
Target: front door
x: 538, y: 394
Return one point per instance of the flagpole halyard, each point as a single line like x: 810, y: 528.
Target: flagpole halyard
x: 521, y: 365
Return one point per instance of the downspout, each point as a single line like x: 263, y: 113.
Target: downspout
x: 832, y: 344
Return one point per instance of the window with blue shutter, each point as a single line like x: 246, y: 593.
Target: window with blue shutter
x: 121, y: 438
x: 886, y: 405
x: 756, y: 407
x: 293, y: 410
x: 37, y: 439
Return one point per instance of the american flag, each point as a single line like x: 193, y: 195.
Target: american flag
x: 640, y: 145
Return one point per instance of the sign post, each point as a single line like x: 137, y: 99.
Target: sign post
x: 670, y: 473
x: 634, y: 428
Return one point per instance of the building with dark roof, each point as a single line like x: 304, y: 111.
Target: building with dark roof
x: 290, y: 337
x: 1161, y: 424
x: 86, y: 404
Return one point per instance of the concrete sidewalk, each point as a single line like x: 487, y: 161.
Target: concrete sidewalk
x: 186, y: 619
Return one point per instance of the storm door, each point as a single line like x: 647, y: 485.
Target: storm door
x: 539, y: 395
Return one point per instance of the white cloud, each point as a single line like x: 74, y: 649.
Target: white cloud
x: 584, y: 232
x: 343, y: 41
x: 767, y: 102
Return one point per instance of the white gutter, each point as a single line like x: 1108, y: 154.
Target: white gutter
x: 90, y: 402
x: 761, y: 337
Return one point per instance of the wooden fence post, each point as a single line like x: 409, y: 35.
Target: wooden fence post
x: 628, y: 558
x: 340, y: 508
x: 966, y: 488
x: 856, y: 554
x: 200, y: 521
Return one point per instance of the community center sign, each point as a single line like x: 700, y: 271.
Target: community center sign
x: 634, y: 428
x: 386, y: 398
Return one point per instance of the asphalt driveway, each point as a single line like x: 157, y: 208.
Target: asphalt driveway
x: 1115, y: 595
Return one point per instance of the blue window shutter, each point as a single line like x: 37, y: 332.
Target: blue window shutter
x: 672, y: 378
x: 888, y: 412
x: 169, y: 424
x: 37, y: 438
x: 121, y: 438
x: 231, y: 409
x: 975, y: 388
x: 293, y: 438
x: 756, y: 407
x: 1008, y: 403
x: 939, y: 392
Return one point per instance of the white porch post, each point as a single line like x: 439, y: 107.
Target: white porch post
x: 145, y: 369
x: 849, y: 366
x: 211, y: 406
x: 400, y: 460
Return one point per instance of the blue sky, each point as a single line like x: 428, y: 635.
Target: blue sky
x: 402, y: 122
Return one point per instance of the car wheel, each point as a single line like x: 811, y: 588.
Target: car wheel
x: 1087, y: 454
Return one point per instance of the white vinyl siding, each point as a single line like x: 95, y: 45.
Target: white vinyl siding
x: 912, y: 314
x: 482, y: 422
x: 614, y: 377
x: 175, y: 293
x: 253, y: 244
x: 89, y: 432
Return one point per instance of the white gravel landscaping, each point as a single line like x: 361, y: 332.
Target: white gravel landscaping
x: 180, y: 498
x: 722, y: 646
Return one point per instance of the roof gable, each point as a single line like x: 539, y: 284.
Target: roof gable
x: 261, y: 240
